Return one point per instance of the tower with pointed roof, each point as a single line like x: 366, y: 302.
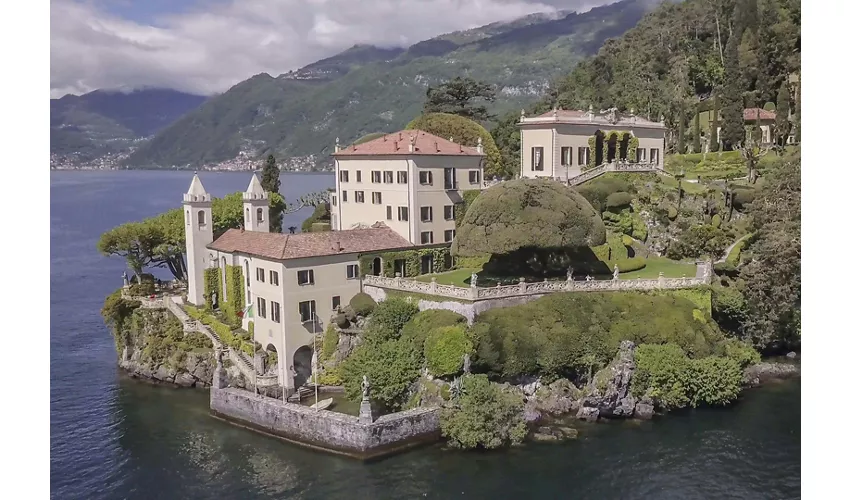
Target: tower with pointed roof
x: 197, y: 208
x: 255, y: 207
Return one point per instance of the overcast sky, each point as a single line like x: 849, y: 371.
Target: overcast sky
x: 206, y: 46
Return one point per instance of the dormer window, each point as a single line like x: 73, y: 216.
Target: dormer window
x: 259, y: 215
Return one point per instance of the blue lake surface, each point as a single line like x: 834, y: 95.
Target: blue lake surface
x: 116, y: 438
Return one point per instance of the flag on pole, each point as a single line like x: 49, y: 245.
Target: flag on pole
x: 248, y: 312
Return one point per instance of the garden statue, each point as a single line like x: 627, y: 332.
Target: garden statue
x: 291, y: 229
x: 214, y: 300
x: 466, y: 363
x: 473, y: 280
x: 587, y: 278
x: 364, y: 386
x: 570, y: 273
x: 126, y: 279
x: 616, y: 272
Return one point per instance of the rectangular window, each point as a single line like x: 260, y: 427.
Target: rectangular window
x: 474, y: 177
x: 274, y: 278
x: 583, y: 155
x: 261, y: 274
x: 359, y: 197
x: 358, y: 176
x: 653, y: 156
x: 401, y: 177
x: 426, y: 237
x: 345, y: 196
x: 305, y: 277
x: 537, y: 158
x: 352, y: 271
x: 307, y: 309
x: 276, y: 312
x: 376, y: 177
x: 449, y: 178
x: 449, y: 212
x: 333, y: 200
x: 426, y: 179
x: 261, y: 307
x: 376, y: 198
x: 566, y: 155
x: 425, y: 214
x: 641, y: 154
x: 449, y: 235
x: 389, y: 212
x: 343, y: 176
x: 388, y: 177
x: 335, y: 303
x: 402, y: 214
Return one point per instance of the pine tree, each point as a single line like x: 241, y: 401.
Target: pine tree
x: 696, y: 135
x: 783, y: 109
x: 732, y: 97
x: 271, y: 184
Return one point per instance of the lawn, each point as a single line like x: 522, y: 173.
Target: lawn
x: 458, y: 277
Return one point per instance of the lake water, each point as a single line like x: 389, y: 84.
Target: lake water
x: 116, y: 438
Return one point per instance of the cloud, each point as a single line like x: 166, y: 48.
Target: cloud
x: 209, y: 50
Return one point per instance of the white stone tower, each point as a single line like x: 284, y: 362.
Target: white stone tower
x: 197, y: 213
x: 255, y: 207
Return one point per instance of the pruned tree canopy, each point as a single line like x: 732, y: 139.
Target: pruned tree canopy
x: 460, y: 96
x: 462, y: 131
x: 528, y: 213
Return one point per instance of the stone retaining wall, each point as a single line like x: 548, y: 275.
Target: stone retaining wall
x: 326, y: 430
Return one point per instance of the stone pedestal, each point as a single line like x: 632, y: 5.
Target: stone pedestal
x: 366, y: 411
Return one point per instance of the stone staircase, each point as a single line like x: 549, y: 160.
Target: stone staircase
x: 305, y: 391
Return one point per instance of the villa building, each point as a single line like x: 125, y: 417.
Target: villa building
x: 294, y: 282
x: 409, y: 180
x: 561, y: 143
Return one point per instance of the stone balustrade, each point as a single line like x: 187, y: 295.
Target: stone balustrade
x: 620, y: 166
x: 523, y: 288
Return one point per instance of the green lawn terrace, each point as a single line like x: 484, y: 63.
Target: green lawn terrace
x: 720, y: 165
x: 655, y: 266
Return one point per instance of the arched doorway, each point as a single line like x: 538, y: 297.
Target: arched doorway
x: 624, y: 146
x: 376, y: 266
x: 302, y: 364
x: 612, y: 147
x: 598, y: 148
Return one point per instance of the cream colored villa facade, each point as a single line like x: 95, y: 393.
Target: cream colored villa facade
x: 294, y: 282
x: 409, y: 180
x: 562, y: 143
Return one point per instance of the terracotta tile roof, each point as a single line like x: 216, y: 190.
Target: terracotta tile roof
x: 398, y: 143
x: 280, y: 246
x: 750, y: 114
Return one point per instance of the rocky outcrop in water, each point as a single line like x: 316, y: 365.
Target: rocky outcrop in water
x: 608, y: 394
x: 195, y: 369
x: 765, y: 372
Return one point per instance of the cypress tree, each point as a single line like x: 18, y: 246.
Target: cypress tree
x: 783, y: 110
x: 714, y: 120
x: 732, y: 97
x: 696, y: 135
x: 270, y: 181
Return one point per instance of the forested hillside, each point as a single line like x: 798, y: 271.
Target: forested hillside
x: 366, y: 89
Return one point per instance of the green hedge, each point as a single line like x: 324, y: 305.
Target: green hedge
x: 362, y: 304
x: 445, y: 348
x: 420, y: 325
x: 412, y: 259
x: 235, y: 299
x: 329, y: 342
x: 212, y: 283
x: 461, y: 208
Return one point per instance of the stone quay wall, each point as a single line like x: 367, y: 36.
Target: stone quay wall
x: 326, y: 430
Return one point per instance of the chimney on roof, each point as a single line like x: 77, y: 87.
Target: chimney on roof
x: 451, y: 138
x: 479, y: 147
x: 395, y: 145
x: 410, y: 144
x: 555, y: 113
x: 436, y: 146
x: 336, y: 145
x: 336, y: 246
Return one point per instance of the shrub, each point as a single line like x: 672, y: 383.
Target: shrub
x: 714, y: 380
x: 388, y: 318
x: 321, y: 214
x: 715, y: 220
x: 420, y: 325
x: 445, y: 348
x: 627, y: 265
x: 485, y: 416
x: 319, y: 227
x: 463, y: 131
x: 741, y: 352
x: 391, y: 367
x: 742, y: 198
x: 362, y: 304
x: 672, y: 213
x: 330, y: 376
x: 597, y: 191
x: 617, y: 200
x: 329, y: 342
x: 661, y: 373
x: 639, y: 229
x: 696, y: 241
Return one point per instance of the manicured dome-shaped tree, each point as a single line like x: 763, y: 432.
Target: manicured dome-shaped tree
x: 465, y: 132
x: 528, y: 223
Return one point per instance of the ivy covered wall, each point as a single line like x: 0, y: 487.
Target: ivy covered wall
x: 412, y: 261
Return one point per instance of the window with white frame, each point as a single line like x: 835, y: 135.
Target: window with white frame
x: 307, y: 310
x: 352, y: 271
x: 305, y: 277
